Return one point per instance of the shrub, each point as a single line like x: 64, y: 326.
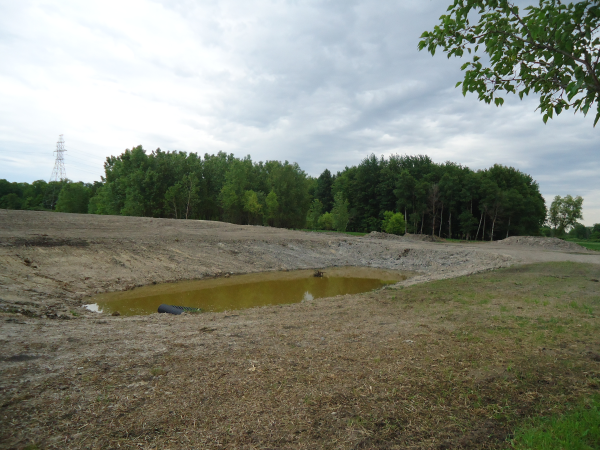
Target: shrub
x: 393, y: 223
x: 326, y: 222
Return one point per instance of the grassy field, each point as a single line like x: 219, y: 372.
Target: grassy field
x: 541, y: 324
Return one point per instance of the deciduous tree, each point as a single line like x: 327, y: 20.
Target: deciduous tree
x: 564, y: 212
x: 312, y: 218
x: 339, y: 212
x: 552, y: 50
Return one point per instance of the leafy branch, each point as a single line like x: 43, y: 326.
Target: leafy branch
x: 552, y: 50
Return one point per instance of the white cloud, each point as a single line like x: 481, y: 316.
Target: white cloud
x: 323, y: 83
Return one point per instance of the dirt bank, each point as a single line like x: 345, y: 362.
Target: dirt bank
x: 69, y: 376
x: 50, y: 262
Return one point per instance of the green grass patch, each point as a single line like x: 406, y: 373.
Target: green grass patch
x: 577, y: 429
x: 591, y: 245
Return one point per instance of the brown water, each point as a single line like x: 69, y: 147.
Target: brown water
x: 247, y: 291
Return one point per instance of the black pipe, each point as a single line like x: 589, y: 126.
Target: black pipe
x: 170, y: 309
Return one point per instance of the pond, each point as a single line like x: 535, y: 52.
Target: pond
x: 247, y: 291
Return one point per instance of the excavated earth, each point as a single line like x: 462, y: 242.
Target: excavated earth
x: 50, y: 263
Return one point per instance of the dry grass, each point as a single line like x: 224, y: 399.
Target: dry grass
x: 449, y: 364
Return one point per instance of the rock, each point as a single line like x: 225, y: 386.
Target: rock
x: 116, y: 313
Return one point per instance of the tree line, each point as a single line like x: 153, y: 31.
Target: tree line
x: 448, y: 200
x: 61, y: 196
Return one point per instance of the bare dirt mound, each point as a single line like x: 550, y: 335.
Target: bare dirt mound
x: 423, y: 238
x: 382, y: 235
x: 548, y: 243
x: 405, y: 237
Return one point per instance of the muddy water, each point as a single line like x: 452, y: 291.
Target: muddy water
x: 247, y: 291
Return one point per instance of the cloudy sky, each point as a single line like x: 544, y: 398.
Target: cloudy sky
x: 323, y: 83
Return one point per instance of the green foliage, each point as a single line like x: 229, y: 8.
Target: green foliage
x: 326, y: 221
x: 216, y: 187
x: 579, y: 428
x: 26, y: 196
x: 63, y: 195
x: 468, y: 223
x: 183, y: 196
x: 595, y: 232
x: 10, y: 201
x: 100, y: 203
x: 564, y: 212
x: 74, y: 198
x: 580, y: 231
x: 551, y: 50
x: 312, y: 218
x: 393, y: 223
x: 272, y: 208
x: 238, y: 179
x: 252, y: 207
x: 339, y: 212
x: 500, y: 201
x: 447, y: 199
x: 323, y: 190
x: 291, y: 185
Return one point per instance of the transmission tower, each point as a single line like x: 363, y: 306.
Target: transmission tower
x: 59, y: 173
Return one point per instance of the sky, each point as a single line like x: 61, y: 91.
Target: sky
x: 324, y: 83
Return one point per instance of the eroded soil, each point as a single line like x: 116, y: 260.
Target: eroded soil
x: 359, y: 371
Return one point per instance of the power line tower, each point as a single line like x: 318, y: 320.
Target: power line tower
x: 58, y: 173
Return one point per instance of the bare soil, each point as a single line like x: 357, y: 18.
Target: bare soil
x: 542, y: 243
x: 354, y: 371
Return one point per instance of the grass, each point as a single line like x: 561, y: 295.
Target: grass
x: 529, y: 315
x: 577, y: 429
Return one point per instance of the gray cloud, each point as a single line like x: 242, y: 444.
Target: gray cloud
x: 322, y: 83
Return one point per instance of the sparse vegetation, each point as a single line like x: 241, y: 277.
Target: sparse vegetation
x: 458, y: 363
x: 156, y: 371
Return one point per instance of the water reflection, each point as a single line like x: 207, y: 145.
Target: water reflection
x: 307, y: 297
x: 247, y: 291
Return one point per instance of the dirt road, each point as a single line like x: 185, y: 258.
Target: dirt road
x: 56, y: 355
